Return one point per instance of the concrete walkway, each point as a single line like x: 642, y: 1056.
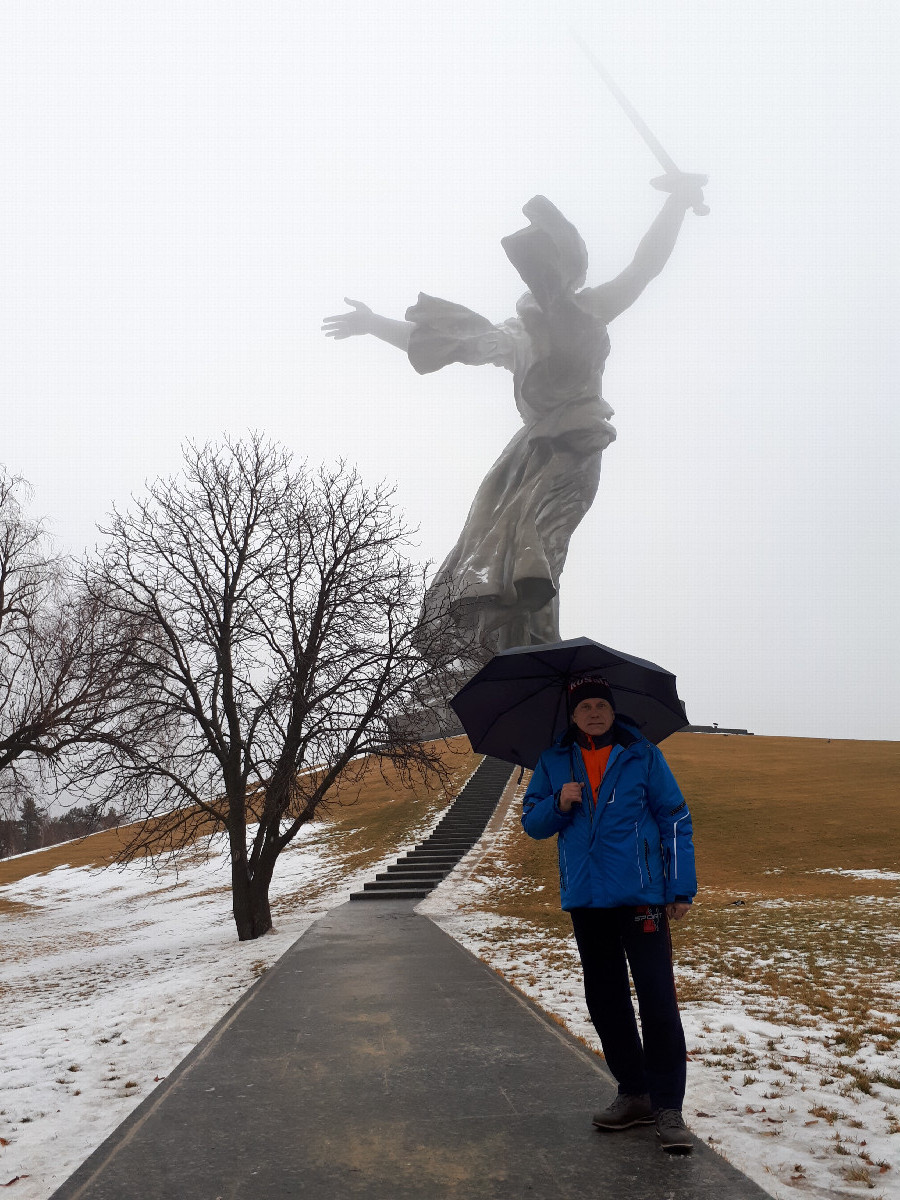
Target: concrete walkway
x: 380, y: 1059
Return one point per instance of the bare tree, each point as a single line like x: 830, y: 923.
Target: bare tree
x: 60, y: 658
x: 28, y: 575
x: 280, y: 643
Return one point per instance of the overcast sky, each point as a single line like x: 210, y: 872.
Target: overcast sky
x: 189, y: 188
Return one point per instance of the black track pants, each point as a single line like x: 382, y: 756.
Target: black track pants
x: 606, y: 937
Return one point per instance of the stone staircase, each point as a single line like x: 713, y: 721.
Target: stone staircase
x: 413, y: 875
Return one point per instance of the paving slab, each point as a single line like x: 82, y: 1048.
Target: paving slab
x: 380, y: 1059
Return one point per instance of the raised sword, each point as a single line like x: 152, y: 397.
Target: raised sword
x: 673, y: 173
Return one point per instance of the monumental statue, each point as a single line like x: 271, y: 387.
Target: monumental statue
x: 500, y: 582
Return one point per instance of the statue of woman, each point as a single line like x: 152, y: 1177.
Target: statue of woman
x: 501, y: 579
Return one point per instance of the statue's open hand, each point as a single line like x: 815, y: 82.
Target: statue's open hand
x: 350, y: 324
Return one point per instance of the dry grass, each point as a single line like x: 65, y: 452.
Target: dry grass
x: 769, y: 815
x: 367, y: 823
x: 809, y: 954
x: 768, y: 811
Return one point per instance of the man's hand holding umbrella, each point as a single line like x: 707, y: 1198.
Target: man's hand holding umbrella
x: 571, y: 793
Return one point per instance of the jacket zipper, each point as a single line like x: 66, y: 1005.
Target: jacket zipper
x: 585, y: 783
x: 609, y: 766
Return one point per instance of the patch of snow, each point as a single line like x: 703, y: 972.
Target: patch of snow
x: 862, y: 874
x: 774, y: 1098
x: 109, y: 978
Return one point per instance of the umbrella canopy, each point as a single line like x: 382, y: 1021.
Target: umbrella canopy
x: 516, y: 706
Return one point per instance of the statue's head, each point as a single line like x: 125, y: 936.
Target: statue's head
x: 549, y: 253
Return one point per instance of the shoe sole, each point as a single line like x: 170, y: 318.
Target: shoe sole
x: 628, y: 1125
x: 684, y: 1147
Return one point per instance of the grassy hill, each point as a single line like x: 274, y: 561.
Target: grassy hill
x: 365, y: 826
x: 769, y: 812
x: 771, y: 815
x: 775, y: 819
x: 785, y: 969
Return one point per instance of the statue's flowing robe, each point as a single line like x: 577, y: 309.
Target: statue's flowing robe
x: 501, y: 579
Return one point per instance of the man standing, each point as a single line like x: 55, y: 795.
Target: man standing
x: 626, y: 868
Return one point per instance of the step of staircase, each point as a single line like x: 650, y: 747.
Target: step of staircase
x: 397, y: 885
x: 392, y: 895
x: 414, y: 867
x: 453, y: 852
x: 414, y: 874
x: 464, y: 827
x: 428, y: 864
x: 462, y: 838
x: 391, y: 876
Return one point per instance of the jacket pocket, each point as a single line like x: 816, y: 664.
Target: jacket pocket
x: 647, y: 860
x: 563, y: 867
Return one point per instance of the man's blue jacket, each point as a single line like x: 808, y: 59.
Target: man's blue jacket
x: 635, y: 847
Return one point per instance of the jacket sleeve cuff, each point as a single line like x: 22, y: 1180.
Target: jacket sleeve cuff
x: 564, y: 816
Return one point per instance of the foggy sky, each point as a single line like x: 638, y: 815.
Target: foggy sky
x: 189, y: 188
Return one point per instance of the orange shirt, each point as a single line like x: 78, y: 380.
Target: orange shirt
x: 595, y: 761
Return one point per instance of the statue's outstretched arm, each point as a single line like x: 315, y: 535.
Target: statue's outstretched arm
x: 651, y: 256
x: 363, y: 320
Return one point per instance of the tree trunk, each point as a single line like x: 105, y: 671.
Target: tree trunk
x: 250, y: 903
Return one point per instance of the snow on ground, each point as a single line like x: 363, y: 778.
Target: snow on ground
x: 774, y: 1098
x: 867, y: 874
x: 109, y: 978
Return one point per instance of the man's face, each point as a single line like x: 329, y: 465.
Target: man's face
x: 594, y: 716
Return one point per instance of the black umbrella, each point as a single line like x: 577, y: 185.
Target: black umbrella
x: 515, y: 707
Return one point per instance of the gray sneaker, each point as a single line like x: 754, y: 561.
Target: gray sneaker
x: 672, y: 1131
x: 624, y: 1112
